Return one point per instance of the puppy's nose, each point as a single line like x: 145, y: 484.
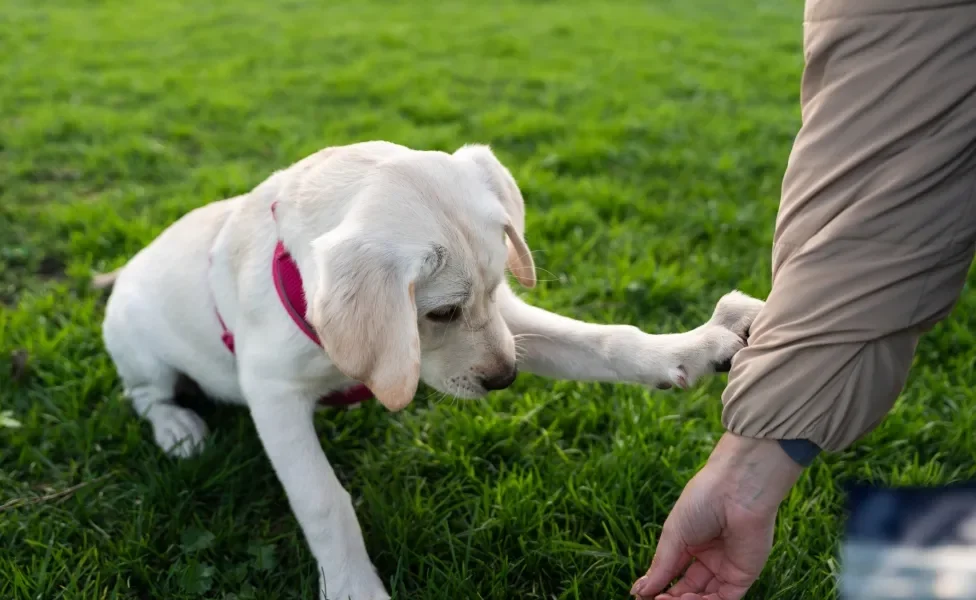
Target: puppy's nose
x: 500, y: 382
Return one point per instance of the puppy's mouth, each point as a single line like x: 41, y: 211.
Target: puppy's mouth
x: 468, y: 389
x: 472, y: 386
x: 460, y: 387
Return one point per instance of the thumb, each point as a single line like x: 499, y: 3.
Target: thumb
x: 670, y: 560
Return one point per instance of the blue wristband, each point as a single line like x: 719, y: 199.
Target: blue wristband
x: 801, y: 451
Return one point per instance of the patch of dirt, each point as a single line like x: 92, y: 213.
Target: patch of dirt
x: 18, y: 364
x: 51, y: 267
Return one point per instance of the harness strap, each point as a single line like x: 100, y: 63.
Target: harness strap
x: 288, y: 283
x: 225, y: 336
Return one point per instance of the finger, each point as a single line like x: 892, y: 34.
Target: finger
x: 670, y: 559
x: 714, y: 589
x: 713, y: 586
x: 727, y: 591
x: 697, y: 579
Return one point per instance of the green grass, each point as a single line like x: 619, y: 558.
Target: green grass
x: 649, y: 139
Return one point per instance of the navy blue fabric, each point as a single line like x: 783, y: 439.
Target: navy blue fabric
x: 802, y: 451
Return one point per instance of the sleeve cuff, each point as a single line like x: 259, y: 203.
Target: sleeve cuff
x: 801, y: 451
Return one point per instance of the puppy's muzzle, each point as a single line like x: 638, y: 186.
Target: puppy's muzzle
x: 499, y: 382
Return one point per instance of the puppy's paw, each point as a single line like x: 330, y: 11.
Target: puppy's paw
x: 709, y: 348
x: 353, y: 596
x: 720, y: 345
x: 179, y: 431
x: 735, y: 312
x: 704, y: 352
x: 364, y: 590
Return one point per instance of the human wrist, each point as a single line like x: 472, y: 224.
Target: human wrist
x: 758, y: 472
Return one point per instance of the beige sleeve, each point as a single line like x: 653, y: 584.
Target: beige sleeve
x: 876, y: 227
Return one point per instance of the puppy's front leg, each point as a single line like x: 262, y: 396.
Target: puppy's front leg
x: 558, y: 347
x: 324, y: 509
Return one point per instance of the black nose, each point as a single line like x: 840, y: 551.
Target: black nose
x: 499, y: 382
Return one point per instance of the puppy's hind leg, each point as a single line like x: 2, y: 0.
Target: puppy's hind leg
x: 150, y: 384
x: 178, y: 431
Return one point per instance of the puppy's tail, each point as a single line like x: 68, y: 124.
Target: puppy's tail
x: 103, y: 281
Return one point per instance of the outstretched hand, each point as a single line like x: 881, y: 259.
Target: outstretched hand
x: 720, y: 532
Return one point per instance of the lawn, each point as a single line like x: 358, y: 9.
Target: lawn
x: 649, y: 140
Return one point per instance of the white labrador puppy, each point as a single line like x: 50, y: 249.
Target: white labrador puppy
x: 401, y: 255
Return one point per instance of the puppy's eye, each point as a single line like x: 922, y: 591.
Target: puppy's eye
x: 445, y: 314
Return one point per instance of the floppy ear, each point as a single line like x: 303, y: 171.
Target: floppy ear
x: 502, y: 183
x: 364, y: 312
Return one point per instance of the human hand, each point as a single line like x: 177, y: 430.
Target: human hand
x: 724, y: 521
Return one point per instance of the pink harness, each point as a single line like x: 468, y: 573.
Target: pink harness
x: 288, y: 284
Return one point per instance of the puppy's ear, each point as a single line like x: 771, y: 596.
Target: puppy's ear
x: 365, y: 313
x: 502, y: 183
x: 520, y: 261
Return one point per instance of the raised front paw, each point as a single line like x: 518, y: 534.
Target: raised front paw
x: 706, y: 352
x: 711, y: 347
x: 736, y: 311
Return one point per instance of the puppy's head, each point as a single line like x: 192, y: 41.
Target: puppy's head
x: 407, y: 282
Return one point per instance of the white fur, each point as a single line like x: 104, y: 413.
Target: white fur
x: 382, y: 235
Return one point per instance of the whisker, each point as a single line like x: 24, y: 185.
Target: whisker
x: 524, y: 336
